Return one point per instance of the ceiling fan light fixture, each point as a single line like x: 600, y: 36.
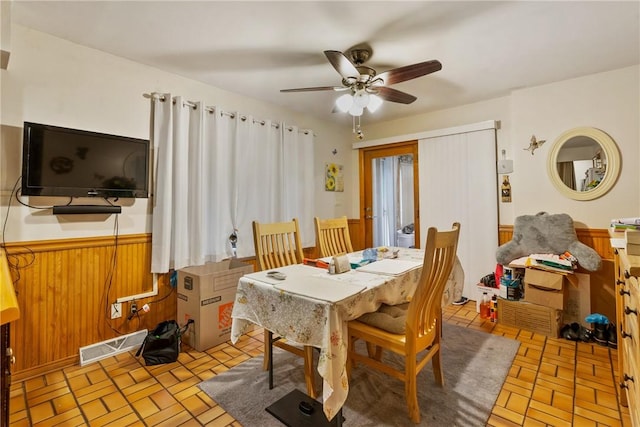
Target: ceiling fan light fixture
x: 361, y: 98
x: 374, y: 103
x: 344, y: 102
x: 356, y: 110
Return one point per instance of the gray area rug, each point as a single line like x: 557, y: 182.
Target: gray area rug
x: 475, y: 365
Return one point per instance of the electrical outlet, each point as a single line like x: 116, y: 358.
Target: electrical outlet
x: 116, y: 310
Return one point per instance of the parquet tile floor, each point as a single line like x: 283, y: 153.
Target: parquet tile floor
x: 552, y: 382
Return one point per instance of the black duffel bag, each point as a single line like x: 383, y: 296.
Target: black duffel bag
x: 162, y: 344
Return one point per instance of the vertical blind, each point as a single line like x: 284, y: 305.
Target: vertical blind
x: 458, y: 182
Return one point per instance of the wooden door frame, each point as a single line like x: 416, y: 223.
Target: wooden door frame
x: 386, y: 150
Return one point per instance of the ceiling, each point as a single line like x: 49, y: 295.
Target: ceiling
x: 487, y: 49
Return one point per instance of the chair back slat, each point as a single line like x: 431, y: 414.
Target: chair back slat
x: 424, y: 312
x: 332, y: 236
x: 277, y: 244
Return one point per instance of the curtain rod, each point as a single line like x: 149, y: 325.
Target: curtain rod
x: 193, y: 105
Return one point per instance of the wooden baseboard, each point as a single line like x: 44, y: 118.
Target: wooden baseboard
x: 36, y: 371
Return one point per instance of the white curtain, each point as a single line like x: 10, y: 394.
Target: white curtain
x: 298, y: 176
x: 216, y: 172
x: 257, y: 187
x: 458, y: 182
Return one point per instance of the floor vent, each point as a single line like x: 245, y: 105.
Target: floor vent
x: 108, y: 348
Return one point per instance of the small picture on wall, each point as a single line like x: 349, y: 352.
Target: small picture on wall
x: 334, y: 180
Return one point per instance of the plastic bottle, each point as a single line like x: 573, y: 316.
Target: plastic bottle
x: 485, y: 308
x: 494, y: 308
x: 332, y: 266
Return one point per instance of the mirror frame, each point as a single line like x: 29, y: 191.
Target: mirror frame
x: 610, y: 150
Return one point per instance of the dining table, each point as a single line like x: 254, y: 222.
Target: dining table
x: 312, y: 307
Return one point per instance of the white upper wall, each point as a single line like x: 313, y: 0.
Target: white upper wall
x: 609, y: 101
x: 56, y: 82
x: 53, y: 81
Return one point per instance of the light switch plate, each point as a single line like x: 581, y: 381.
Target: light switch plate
x: 505, y: 166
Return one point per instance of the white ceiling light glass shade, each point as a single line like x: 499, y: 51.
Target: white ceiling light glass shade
x: 374, y: 103
x: 361, y: 98
x: 355, y: 110
x: 344, y: 102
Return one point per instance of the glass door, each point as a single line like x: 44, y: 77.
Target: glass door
x: 390, y: 204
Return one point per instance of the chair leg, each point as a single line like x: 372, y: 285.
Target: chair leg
x: 378, y: 355
x: 410, y: 388
x: 268, y: 338
x: 371, y: 349
x: 436, y: 358
x: 270, y: 357
x: 436, y: 363
x: 351, y: 363
x: 309, y: 375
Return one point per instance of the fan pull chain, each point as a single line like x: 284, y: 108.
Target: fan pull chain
x: 357, y: 130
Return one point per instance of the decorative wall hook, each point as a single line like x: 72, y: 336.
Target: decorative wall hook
x: 533, y: 145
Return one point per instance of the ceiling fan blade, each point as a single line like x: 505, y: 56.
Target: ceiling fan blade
x: 311, y: 89
x: 409, y: 72
x: 342, y: 64
x: 394, y: 95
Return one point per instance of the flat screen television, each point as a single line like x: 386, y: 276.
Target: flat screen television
x: 58, y: 161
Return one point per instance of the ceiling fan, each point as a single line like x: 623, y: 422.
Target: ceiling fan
x: 367, y: 88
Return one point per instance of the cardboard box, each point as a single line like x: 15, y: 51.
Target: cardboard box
x: 531, y: 317
x: 206, y: 294
x: 632, y: 237
x: 578, y: 305
x: 633, y: 249
x: 545, y: 288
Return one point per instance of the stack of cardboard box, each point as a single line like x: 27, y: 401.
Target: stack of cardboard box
x: 546, y: 294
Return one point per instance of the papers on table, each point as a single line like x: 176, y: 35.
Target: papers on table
x: 308, y: 281
x: 262, y: 276
x: 316, y: 283
x: 320, y: 288
x: 390, y: 267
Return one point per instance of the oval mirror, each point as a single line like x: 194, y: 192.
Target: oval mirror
x: 584, y: 163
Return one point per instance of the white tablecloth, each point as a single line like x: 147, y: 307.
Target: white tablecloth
x: 321, y: 322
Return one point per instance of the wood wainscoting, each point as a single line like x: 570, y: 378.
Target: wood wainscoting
x: 65, y: 289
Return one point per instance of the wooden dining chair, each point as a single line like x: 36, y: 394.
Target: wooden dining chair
x: 411, y: 328
x: 277, y: 245
x: 332, y: 236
